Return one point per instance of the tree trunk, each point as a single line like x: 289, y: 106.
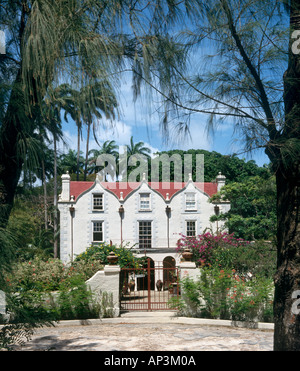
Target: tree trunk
x: 78, y: 149
x: 55, y: 222
x: 287, y: 278
x: 10, y: 161
x: 10, y: 171
x: 87, y: 150
x: 45, y: 195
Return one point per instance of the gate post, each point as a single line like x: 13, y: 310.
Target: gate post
x: 2, y: 303
x: 112, y: 273
x: 149, y: 284
x: 188, y: 269
x: 108, y: 281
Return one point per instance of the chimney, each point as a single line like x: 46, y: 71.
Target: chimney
x: 65, y: 192
x: 220, y: 179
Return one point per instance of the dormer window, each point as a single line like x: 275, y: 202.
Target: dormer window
x: 144, y: 201
x: 98, y: 202
x: 190, y: 201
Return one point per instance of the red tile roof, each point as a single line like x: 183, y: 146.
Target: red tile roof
x: 77, y: 188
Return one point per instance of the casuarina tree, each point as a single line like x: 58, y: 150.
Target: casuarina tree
x: 250, y: 77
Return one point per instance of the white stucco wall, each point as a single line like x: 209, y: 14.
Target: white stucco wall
x: 84, y: 216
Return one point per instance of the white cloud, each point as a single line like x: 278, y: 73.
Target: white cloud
x: 153, y: 149
x: 120, y: 132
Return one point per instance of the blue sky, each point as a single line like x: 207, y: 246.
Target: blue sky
x: 135, y: 121
x: 141, y: 121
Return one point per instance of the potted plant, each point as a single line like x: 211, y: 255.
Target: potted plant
x: 131, y: 285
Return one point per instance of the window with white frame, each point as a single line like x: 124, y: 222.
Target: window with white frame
x: 97, y: 231
x: 144, y: 201
x: 191, y: 228
x: 145, y: 235
x: 98, y: 201
x: 190, y: 201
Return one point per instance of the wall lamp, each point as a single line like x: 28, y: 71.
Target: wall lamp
x: 217, y: 210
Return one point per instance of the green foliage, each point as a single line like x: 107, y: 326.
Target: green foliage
x: 107, y: 305
x: 32, y: 303
x: 27, y: 312
x: 209, y: 249
x: 7, y: 256
x: 68, y: 162
x: 100, y: 252
x: 75, y: 300
x: 253, y: 208
x: 213, y: 287
x: 109, y: 147
x: 235, y: 168
x: 235, y: 278
x: 26, y: 224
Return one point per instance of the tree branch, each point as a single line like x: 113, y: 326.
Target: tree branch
x: 206, y: 111
x: 264, y: 99
x: 242, y: 113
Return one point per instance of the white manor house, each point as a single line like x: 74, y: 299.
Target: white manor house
x: 151, y: 216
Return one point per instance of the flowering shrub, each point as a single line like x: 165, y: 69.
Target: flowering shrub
x: 222, y: 293
x: 210, y: 250
x: 49, y: 275
x: 252, y: 300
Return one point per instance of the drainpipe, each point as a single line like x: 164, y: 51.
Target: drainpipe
x: 121, y: 212
x: 168, y: 212
x: 217, y: 213
x: 72, y: 212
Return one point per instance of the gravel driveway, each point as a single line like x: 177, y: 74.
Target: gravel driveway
x: 144, y: 333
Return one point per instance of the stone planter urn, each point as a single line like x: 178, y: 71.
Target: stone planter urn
x: 159, y: 285
x: 112, y: 258
x: 187, y: 255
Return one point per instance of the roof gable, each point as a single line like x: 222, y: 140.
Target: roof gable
x: 123, y: 189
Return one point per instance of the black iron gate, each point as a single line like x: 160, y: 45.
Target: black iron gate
x: 149, y: 288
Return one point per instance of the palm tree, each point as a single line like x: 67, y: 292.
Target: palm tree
x: 68, y: 162
x: 85, y: 106
x: 98, y: 98
x: 54, y: 102
x: 108, y: 147
x: 72, y: 108
x: 135, y: 150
